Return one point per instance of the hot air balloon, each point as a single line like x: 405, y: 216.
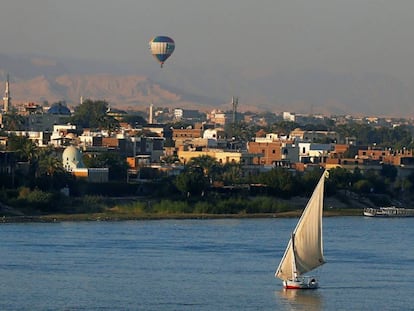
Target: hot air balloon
x: 161, y: 48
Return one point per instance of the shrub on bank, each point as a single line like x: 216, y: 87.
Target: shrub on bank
x: 171, y: 207
x: 131, y: 209
x: 35, y: 200
x: 89, y: 204
x: 217, y: 205
x: 265, y: 205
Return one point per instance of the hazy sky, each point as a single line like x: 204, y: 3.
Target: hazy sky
x: 372, y: 35
x: 262, y: 36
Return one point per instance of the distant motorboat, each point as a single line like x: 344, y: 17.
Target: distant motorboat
x: 388, y: 211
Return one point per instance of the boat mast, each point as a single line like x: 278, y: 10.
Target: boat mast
x: 295, y: 273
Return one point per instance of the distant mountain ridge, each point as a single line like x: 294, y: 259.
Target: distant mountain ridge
x: 36, y: 79
x: 39, y: 79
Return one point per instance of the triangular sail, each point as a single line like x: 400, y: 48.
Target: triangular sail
x: 308, y: 252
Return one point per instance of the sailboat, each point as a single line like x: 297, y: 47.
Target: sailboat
x: 304, y: 251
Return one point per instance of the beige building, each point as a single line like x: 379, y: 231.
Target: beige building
x: 221, y: 156
x: 217, y: 117
x: 182, y: 136
x: 314, y: 136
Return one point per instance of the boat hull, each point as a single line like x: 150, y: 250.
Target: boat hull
x: 301, y: 283
x: 388, y: 211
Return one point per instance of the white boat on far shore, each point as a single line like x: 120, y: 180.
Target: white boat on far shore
x: 388, y: 211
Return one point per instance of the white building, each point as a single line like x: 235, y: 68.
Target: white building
x: 72, y: 162
x: 313, y: 153
x: 60, y: 132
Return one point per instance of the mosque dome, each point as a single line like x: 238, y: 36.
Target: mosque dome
x: 72, y: 158
x: 59, y: 108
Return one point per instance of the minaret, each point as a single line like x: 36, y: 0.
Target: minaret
x: 7, y: 98
x: 150, y: 119
x: 235, y: 103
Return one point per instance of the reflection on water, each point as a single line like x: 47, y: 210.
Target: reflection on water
x: 309, y: 300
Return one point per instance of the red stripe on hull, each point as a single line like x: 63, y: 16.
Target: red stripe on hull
x: 293, y: 287
x: 299, y: 287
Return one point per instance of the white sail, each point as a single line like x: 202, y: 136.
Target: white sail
x: 307, y: 253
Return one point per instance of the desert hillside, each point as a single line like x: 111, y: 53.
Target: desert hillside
x: 126, y: 92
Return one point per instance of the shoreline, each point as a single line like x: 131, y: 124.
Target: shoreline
x: 182, y: 216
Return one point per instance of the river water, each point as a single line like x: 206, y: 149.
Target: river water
x: 225, y: 264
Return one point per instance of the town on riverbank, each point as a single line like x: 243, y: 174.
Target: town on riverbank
x: 94, y: 161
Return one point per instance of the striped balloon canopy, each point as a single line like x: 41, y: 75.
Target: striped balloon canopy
x: 161, y: 48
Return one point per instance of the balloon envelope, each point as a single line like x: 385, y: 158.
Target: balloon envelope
x: 161, y: 48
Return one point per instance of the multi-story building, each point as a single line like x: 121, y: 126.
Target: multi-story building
x: 221, y: 156
x: 315, y: 136
x: 314, y: 153
x: 182, y: 136
x: 187, y: 114
x: 217, y: 117
x: 273, y: 150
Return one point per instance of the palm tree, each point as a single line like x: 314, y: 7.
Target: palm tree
x: 211, y: 168
x: 232, y: 173
x: 191, y: 181
x: 26, y: 150
x: 50, y: 173
x: 13, y: 122
x: 50, y: 165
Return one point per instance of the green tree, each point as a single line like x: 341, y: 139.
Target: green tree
x: 116, y: 164
x: 108, y: 123
x: 241, y: 131
x: 49, y: 165
x: 389, y: 172
x: 50, y: 174
x: 13, y: 121
x: 25, y: 149
x: 362, y: 186
x: 93, y: 114
x: 283, y: 127
x: 134, y: 120
x: 232, y: 173
x: 211, y: 168
x: 280, y: 181
x: 339, y: 178
x: 191, y: 181
x: 309, y: 179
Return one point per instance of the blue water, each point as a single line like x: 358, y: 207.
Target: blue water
x: 201, y: 265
